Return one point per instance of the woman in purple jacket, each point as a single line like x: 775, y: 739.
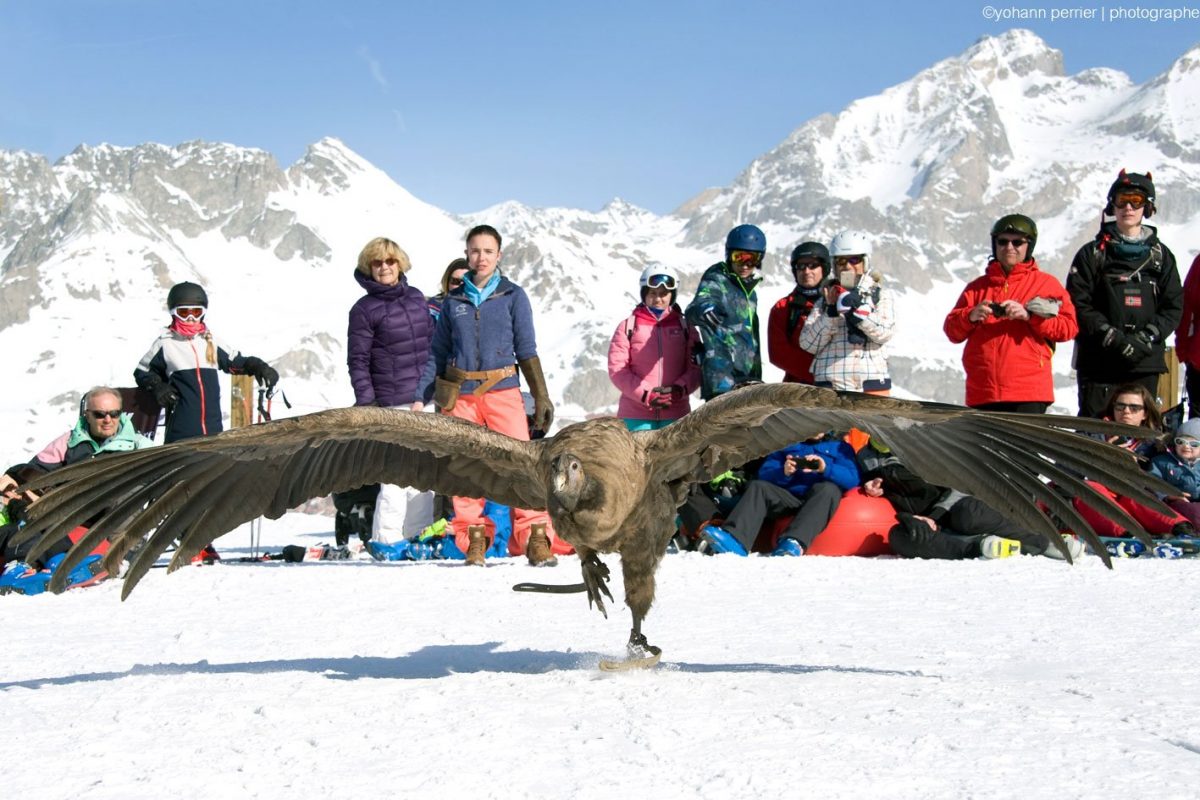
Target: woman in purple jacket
x: 387, y: 345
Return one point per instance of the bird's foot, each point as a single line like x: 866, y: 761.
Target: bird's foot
x: 595, y: 580
x: 642, y: 655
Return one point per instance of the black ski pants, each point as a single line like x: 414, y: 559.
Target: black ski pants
x: 764, y: 501
x: 959, y: 532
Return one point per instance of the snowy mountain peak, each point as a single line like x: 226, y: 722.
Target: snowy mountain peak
x: 1018, y: 51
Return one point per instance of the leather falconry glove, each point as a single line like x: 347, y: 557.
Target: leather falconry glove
x: 543, y: 409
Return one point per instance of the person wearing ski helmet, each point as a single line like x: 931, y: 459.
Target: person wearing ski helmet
x: 811, y: 265
x: 1127, y: 294
x: 1011, y: 318
x: 180, y: 368
x: 725, y: 310
x: 650, y: 355
x: 853, y: 320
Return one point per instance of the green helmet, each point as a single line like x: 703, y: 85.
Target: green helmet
x: 1015, y: 223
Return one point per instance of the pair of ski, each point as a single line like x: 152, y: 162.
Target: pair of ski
x: 1121, y: 547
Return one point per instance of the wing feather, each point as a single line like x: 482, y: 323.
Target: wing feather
x: 1006, y: 460
x: 197, y: 489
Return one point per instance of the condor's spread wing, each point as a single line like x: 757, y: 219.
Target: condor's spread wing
x: 1006, y: 460
x: 196, y: 490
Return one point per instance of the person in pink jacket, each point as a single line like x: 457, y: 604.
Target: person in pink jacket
x: 650, y: 358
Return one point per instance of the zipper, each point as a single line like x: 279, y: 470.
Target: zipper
x: 200, y: 383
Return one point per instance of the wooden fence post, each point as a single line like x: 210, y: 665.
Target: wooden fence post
x: 1170, y: 381
x: 241, y: 401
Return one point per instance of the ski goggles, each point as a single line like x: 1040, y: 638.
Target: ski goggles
x: 743, y: 257
x: 1182, y: 442
x: 852, y: 261
x: 661, y: 282
x: 188, y: 312
x: 1131, y: 200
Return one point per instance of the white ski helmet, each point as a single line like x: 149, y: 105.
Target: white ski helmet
x: 850, y: 243
x: 656, y: 275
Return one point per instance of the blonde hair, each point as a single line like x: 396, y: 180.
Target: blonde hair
x: 381, y: 248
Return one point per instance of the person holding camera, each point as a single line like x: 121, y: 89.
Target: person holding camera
x: 650, y: 357
x: 806, y: 479
x: 1011, y: 318
x: 850, y: 324
x: 1126, y: 291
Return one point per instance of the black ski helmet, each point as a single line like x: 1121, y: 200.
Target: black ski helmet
x: 1132, y: 182
x: 187, y: 294
x: 813, y: 250
x: 1016, y: 223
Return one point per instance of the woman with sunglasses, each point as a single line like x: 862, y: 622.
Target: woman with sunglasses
x: 452, y: 278
x: 1011, y: 317
x: 180, y: 368
x: 1127, y: 296
x: 387, y: 345
x: 849, y: 327
x: 650, y: 356
x: 1132, y: 404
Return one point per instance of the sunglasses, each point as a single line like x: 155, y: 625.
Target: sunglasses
x: 1182, y: 442
x: 661, y: 282
x: 455, y: 282
x: 745, y: 257
x: 808, y: 265
x: 188, y: 312
x: 99, y: 415
x: 1131, y: 200
x: 853, y: 261
x: 1004, y: 241
x: 380, y: 263
x: 1128, y: 407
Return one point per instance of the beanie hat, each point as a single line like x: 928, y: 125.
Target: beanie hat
x: 1132, y: 182
x: 1190, y: 429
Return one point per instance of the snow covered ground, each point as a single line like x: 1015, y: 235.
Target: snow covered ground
x: 821, y: 677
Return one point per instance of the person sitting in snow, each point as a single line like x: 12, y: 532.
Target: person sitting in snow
x: 100, y: 429
x: 806, y: 479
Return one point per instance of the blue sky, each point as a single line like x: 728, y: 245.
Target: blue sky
x: 467, y: 103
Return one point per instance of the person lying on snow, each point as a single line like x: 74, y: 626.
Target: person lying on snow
x: 936, y: 522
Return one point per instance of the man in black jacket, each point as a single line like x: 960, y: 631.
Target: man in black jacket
x: 1127, y: 296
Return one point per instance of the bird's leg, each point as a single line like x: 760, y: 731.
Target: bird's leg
x: 595, y: 579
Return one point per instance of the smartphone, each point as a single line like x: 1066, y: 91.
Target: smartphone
x: 809, y: 463
x: 848, y: 279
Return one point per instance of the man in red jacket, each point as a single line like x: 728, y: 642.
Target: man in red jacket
x: 1011, y: 317
x: 810, y: 266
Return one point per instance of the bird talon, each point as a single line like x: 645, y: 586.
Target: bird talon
x: 595, y: 578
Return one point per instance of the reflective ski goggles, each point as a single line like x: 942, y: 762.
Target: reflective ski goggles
x: 1131, y: 200
x: 743, y: 257
x: 188, y: 312
x: 661, y: 282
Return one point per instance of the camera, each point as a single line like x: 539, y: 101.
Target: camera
x: 998, y: 309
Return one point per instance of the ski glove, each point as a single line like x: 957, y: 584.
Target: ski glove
x: 1044, y: 307
x: 263, y: 372
x: 1130, y: 348
x: 658, y: 397
x: 164, y: 393
x: 710, y: 315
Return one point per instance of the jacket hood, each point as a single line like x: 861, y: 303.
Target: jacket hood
x: 376, y: 289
